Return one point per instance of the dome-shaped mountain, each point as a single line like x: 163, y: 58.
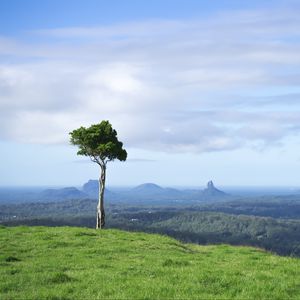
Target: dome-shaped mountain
x: 148, y: 188
x: 62, y: 194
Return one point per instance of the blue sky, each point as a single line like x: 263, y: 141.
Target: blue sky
x: 197, y: 90
x: 18, y: 15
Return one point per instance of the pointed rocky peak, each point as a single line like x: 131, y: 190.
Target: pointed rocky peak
x: 211, y: 190
x: 92, y: 188
x: 210, y: 185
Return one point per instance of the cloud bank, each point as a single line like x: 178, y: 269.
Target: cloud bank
x: 230, y: 80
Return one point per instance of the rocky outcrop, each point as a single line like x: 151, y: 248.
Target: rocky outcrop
x: 212, y: 191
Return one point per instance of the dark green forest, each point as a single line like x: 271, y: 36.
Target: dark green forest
x: 272, y: 223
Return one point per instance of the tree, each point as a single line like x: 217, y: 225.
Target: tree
x: 100, y: 143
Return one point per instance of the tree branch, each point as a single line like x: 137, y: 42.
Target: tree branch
x: 96, y: 160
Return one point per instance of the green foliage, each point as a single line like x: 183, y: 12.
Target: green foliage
x: 277, y: 235
x: 78, y: 263
x: 99, y: 142
x: 281, y: 236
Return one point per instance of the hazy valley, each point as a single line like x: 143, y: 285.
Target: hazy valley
x: 204, y: 216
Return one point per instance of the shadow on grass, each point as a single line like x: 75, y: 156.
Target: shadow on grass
x: 12, y: 259
x: 61, y: 277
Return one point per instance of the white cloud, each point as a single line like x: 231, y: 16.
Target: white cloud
x: 165, y: 85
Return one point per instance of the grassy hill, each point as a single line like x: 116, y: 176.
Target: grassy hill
x: 78, y: 263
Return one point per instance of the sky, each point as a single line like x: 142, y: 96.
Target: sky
x: 197, y: 90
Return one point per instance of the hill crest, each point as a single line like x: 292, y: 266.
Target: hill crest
x: 90, y: 264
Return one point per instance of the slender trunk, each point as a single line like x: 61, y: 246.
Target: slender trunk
x: 100, y: 208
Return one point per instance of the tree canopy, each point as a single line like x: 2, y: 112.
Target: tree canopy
x: 99, y: 142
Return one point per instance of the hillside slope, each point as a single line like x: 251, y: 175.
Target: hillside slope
x: 77, y: 263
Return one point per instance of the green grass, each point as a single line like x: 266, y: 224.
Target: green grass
x: 77, y: 263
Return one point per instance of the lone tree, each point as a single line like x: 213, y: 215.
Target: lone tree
x: 101, y: 144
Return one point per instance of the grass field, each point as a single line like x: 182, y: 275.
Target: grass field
x: 78, y: 263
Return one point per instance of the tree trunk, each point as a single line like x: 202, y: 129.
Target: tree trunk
x: 100, y: 208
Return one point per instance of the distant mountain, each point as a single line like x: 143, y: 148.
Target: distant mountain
x: 91, y: 188
x: 149, y: 188
x: 153, y: 193
x: 62, y: 194
x: 147, y: 193
x: 211, y: 191
x: 153, y: 190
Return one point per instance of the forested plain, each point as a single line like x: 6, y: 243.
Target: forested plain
x: 271, y: 223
